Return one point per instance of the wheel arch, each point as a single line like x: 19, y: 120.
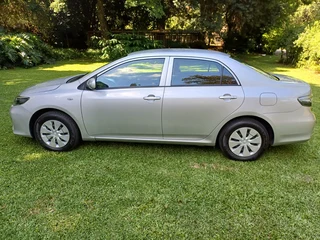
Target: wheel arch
x: 261, y: 120
x: 37, y: 114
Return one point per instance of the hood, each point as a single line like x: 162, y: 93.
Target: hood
x: 50, y: 85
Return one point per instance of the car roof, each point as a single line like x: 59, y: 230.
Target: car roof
x: 179, y: 52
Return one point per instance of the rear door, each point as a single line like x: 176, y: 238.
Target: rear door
x: 199, y: 94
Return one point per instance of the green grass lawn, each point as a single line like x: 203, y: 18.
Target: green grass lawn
x: 146, y: 191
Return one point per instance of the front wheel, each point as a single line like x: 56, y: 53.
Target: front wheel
x: 56, y: 131
x: 244, y: 139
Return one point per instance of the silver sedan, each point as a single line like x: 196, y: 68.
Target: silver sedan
x: 181, y: 96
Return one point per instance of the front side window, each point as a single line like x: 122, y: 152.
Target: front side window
x: 190, y: 72
x: 138, y: 73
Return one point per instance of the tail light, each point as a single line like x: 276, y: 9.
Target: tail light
x: 305, y: 101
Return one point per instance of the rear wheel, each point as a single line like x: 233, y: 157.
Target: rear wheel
x: 244, y: 139
x: 56, y: 131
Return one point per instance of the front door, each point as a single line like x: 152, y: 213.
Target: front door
x: 127, y: 102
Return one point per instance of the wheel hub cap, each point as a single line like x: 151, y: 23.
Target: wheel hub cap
x: 245, y: 142
x: 55, y: 134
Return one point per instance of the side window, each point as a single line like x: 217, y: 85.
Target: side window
x: 192, y: 72
x: 138, y: 73
x: 227, y: 78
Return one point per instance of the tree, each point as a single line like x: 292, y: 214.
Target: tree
x: 285, y: 34
x: 309, y: 43
x: 102, y: 19
x: 72, y: 21
x: 30, y: 16
x: 247, y: 20
x: 149, y: 13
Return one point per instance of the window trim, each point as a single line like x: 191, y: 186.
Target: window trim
x: 170, y: 72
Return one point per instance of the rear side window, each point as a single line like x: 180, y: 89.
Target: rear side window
x: 193, y: 72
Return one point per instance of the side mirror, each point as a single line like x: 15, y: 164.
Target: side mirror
x: 91, y: 84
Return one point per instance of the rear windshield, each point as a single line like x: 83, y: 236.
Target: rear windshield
x: 269, y: 75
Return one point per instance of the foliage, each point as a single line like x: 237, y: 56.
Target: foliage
x: 154, y: 7
x: 241, y: 23
x: 68, y: 53
x: 283, y: 38
x: 71, y: 22
x: 26, y: 16
x: 23, y: 49
x: 120, y: 45
x: 28, y: 50
x: 286, y: 34
x: 73, y: 19
x: 150, y: 191
x: 309, y: 42
x: 247, y: 20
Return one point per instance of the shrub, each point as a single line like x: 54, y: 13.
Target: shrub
x: 23, y: 49
x: 67, y: 53
x: 28, y: 50
x: 122, y: 44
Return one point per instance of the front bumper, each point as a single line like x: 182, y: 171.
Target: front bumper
x: 20, y: 118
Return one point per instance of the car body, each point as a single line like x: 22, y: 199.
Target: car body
x: 183, y: 96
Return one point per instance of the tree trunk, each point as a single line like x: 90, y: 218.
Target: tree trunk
x: 161, y: 23
x: 102, y: 19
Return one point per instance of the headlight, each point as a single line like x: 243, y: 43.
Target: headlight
x: 20, y: 100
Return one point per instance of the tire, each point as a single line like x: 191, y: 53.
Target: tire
x: 244, y: 139
x: 56, y: 131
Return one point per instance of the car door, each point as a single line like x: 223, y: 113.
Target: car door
x: 199, y: 95
x: 127, y: 101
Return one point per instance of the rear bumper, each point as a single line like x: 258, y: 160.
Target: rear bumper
x: 292, y: 127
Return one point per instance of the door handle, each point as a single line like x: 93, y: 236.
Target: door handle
x: 227, y: 97
x: 151, y: 97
